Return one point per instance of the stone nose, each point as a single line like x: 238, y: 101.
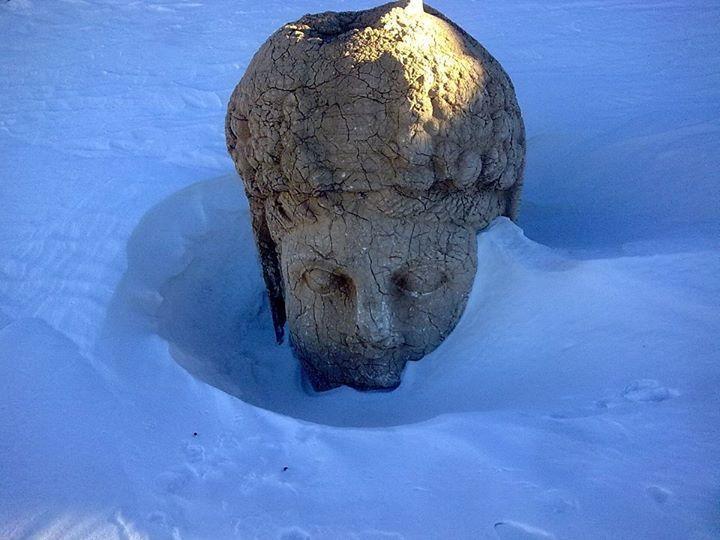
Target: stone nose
x: 375, y: 322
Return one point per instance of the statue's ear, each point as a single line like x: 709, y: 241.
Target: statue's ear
x: 270, y: 260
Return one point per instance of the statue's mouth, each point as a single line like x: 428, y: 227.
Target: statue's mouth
x: 375, y: 354
x: 376, y: 351
x: 369, y: 369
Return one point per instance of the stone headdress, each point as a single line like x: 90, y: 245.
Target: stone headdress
x: 394, y: 111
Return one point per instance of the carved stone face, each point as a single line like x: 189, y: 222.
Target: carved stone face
x: 365, y: 295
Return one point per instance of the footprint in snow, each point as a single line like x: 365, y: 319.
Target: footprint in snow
x: 659, y: 494
x: 158, y: 518
x: 294, y: 533
x: 174, y: 482
x: 644, y: 390
x: 194, y: 453
x: 513, y: 530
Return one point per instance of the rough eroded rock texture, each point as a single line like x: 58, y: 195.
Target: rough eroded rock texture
x: 373, y: 145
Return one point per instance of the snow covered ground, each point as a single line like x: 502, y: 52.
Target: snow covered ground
x: 141, y: 393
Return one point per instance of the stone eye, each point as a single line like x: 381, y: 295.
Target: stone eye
x: 324, y: 283
x: 419, y: 280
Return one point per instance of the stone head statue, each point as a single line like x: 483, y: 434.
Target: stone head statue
x: 373, y: 145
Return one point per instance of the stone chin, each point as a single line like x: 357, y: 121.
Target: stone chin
x: 375, y: 370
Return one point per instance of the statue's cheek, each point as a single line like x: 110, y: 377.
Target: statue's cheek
x: 317, y: 318
x: 427, y: 320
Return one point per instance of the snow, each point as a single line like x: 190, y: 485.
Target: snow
x: 142, y: 394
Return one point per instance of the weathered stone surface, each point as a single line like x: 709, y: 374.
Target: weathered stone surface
x: 373, y: 145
